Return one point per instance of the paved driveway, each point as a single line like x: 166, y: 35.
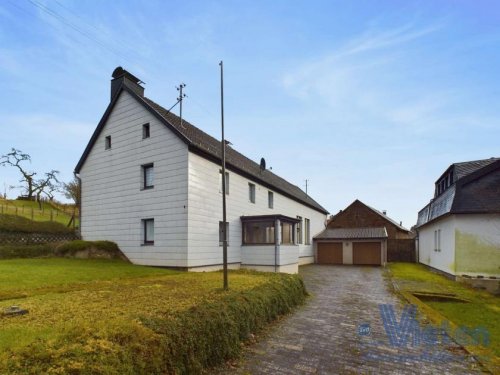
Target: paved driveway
x: 323, y: 336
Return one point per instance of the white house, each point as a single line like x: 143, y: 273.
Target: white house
x: 153, y: 185
x: 459, y: 230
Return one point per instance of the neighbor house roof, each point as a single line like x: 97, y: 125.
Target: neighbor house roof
x: 476, y: 189
x: 351, y: 233
x: 207, y: 146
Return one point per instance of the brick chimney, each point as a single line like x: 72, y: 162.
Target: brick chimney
x: 122, y: 77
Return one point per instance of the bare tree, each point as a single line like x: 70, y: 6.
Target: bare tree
x: 17, y: 159
x: 33, y: 187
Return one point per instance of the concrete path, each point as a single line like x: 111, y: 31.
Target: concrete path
x: 340, y: 331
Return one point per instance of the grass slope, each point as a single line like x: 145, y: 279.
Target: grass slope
x: 483, y: 310
x: 109, y: 317
x: 26, y: 209
x: 12, y: 223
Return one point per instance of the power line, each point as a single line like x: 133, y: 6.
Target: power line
x: 76, y: 28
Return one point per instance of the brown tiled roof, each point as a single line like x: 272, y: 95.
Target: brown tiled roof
x: 351, y: 233
x: 209, y: 147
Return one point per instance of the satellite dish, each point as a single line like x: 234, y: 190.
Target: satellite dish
x: 262, y: 164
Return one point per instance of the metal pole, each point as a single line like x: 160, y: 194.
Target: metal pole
x: 181, y: 97
x: 223, y: 145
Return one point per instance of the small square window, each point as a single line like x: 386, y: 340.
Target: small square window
x: 145, y: 131
x: 270, y: 199
x: 107, y: 142
x: 223, y: 232
x: 149, y: 231
x: 147, y: 176
x: 251, y: 192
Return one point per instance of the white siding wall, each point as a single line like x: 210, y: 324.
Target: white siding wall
x: 112, y: 201
x: 443, y: 260
x: 205, y: 212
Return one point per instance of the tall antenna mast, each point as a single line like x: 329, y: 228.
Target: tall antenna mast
x: 223, y: 161
x: 180, y: 98
x: 307, y: 181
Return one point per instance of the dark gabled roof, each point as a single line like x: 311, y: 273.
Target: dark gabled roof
x: 465, y: 168
x: 351, y: 233
x: 207, y: 146
x: 477, y: 190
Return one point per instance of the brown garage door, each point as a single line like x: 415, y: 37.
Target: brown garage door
x: 330, y: 253
x: 366, y: 253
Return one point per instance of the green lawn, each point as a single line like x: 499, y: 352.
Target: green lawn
x: 27, y: 277
x: 482, y: 310
x: 102, y: 316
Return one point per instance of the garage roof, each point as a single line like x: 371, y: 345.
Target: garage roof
x: 351, y: 233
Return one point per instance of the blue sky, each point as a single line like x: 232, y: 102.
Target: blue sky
x: 368, y: 100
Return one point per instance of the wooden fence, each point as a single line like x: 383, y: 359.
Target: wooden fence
x: 401, y: 250
x: 46, y: 212
x: 14, y: 238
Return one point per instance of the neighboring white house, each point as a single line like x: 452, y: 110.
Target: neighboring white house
x: 459, y: 230
x: 153, y: 185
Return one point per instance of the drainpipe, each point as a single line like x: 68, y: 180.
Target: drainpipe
x: 79, y: 204
x: 277, y: 239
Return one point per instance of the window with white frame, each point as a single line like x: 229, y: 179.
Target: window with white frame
x: 258, y: 232
x: 147, y: 176
x: 148, y: 228
x: 299, y: 230
x: 251, y: 192
x: 270, y: 199
x: 437, y: 240
x: 286, y: 233
x: 307, y: 231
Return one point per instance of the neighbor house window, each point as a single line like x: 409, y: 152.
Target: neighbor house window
x: 147, y: 176
x: 258, y: 232
x: 223, y: 232
x: 307, y: 231
x: 270, y: 199
x: 149, y: 231
x: 286, y: 233
x: 299, y: 230
x: 145, y: 131
x: 107, y: 142
x: 251, y: 192
x: 437, y: 240
x: 227, y: 182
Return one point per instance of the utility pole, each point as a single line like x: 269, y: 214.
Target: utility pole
x: 180, y: 98
x: 223, y: 146
x: 306, y: 185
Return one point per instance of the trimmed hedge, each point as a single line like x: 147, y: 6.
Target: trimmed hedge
x: 184, y: 342
x: 78, y: 248
x: 26, y: 251
x: 13, y: 223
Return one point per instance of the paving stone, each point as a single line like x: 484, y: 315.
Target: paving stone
x: 322, y: 336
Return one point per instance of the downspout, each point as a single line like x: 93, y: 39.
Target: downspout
x: 79, y: 204
x: 277, y: 231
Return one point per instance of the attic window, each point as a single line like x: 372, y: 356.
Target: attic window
x: 145, y: 131
x: 107, y: 142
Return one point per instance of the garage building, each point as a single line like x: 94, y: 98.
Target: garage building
x: 357, y: 246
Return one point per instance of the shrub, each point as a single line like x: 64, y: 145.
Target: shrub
x: 90, y: 249
x: 25, y: 251
x: 13, y: 223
